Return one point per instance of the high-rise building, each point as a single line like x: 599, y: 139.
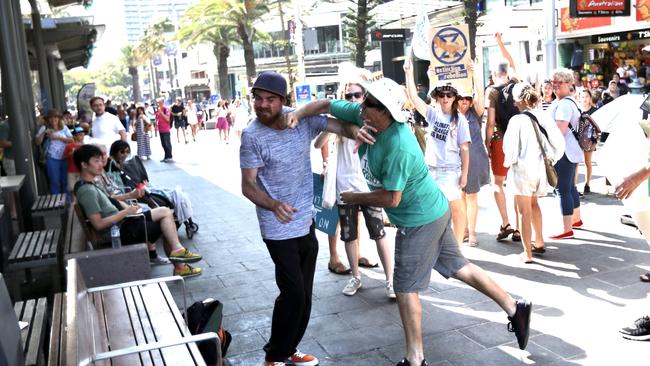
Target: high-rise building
x: 139, y: 13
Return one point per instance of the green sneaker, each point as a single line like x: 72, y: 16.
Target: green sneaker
x: 184, y: 256
x: 188, y: 272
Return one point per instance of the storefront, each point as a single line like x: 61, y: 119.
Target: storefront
x: 598, y: 47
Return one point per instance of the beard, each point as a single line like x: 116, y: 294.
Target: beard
x: 266, y: 115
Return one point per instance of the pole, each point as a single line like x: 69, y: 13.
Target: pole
x: 41, y: 58
x: 551, y: 44
x: 300, y: 47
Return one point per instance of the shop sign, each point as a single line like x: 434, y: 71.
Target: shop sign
x: 303, y: 94
x: 388, y: 35
x: 642, y: 10
x: 568, y: 24
x: 599, y: 8
x: 621, y: 36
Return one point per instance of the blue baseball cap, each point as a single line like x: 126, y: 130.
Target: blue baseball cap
x: 271, y: 82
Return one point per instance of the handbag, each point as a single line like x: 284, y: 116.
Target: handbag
x: 551, y: 173
x: 134, y: 137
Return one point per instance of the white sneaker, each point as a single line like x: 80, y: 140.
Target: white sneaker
x: 352, y: 286
x: 390, y: 292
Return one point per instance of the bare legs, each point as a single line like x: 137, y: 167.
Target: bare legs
x: 588, y: 155
x: 500, y: 198
x: 525, y: 213
x: 458, y: 219
x: 471, y: 206
x: 163, y: 215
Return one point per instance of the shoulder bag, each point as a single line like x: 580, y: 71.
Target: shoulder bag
x: 551, y: 173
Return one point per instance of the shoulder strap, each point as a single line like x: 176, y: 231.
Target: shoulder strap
x: 535, y: 122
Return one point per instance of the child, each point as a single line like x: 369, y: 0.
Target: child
x: 78, y: 134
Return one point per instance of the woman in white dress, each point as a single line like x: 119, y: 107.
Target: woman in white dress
x: 523, y: 155
x: 192, y: 117
x: 241, y: 117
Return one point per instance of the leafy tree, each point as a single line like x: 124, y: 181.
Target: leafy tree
x: 153, y: 43
x: 202, y: 24
x: 357, y: 22
x: 109, y: 81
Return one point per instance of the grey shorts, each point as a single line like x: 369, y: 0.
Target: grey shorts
x: 421, y: 248
x: 349, y: 220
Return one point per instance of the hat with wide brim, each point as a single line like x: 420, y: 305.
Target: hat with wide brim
x: 445, y: 87
x: 390, y: 94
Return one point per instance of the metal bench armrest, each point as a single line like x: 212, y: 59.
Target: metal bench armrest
x: 154, y: 346
x: 145, y: 282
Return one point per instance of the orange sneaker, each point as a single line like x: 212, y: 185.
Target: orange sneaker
x: 302, y: 359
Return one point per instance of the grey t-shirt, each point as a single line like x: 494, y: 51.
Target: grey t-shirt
x: 444, y: 139
x: 282, y: 158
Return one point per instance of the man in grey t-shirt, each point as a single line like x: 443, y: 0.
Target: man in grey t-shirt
x: 277, y: 178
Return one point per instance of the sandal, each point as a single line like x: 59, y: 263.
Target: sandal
x: 504, y: 232
x: 472, y: 243
x: 645, y: 277
x: 365, y: 262
x: 516, y: 236
x: 339, y: 269
x: 538, y: 250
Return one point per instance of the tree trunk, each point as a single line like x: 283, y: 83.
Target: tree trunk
x: 287, y: 59
x: 222, y: 52
x: 249, y: 56
x: 470, y: 18
x: 171, y: 78
x: 362, y: 13
x: 156, y: 81
x: 135, y: 80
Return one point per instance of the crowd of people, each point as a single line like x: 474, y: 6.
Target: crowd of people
x: 424, y: 173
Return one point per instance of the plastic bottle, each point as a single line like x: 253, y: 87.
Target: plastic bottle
x: 115, y: 237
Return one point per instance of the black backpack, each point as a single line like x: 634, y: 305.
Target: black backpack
x: 505, y: 106
x: 206, y: 316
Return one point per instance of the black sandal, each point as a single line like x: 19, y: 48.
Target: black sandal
x: 645, y: 277
x: 504, y: 232
x: 516, y: 236
x: 538, y: 250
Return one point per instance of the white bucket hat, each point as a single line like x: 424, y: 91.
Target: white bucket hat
x: 390, y: 94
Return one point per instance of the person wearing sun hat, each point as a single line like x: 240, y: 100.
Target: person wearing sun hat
x: 399, y: 181
x: 276, y: 176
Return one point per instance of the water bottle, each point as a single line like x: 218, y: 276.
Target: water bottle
x: 115, y: 237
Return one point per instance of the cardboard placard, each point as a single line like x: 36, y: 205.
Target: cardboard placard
x: 450, y: 56
x: 326, y: 218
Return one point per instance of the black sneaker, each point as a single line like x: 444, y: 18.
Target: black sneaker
x: 406, y: 362
x: 640, y: 331
x: 587, y: 189
x: 520, y: 322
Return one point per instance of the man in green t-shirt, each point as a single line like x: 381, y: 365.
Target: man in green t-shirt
x: 103, y: 212
x: 399, y: 182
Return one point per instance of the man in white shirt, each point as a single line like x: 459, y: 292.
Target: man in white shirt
x: 106, y: 128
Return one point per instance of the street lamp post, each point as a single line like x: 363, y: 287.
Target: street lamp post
x: 551, y: 44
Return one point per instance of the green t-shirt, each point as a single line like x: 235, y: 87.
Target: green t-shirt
x: 92, y: 200
x: 396, y: 163
x: 4, y: 135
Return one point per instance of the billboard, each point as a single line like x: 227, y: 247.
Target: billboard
x: 599, y: 8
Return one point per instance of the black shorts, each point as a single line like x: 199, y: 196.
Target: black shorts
x: 349, y: 220
x: 180, y: 122
x: 132, y: 230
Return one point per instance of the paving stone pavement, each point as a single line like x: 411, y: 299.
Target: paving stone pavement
x: 583, y: 290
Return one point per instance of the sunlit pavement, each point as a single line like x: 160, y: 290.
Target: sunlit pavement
x: 583, y: 289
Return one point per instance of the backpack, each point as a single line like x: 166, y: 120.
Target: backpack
x: 587, y: 132
x: 206, y: 316
x: 505, y: 105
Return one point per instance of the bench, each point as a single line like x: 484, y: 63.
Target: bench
x: 133, y: 323
x: 26, y: 346
x: 49, y: 211
x: 34, y: 249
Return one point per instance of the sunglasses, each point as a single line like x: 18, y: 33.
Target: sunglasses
x: 469, y: 99
x: 355, y: 95
x: 447, y: 95
x: 370, y: 104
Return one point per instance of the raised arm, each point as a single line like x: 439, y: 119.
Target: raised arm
x: 505, y: 53
x: 479, y: 101
x: 411, y: 90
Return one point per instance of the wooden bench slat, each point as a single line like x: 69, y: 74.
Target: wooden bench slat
x: 33, y: 351
x: 18, y: 245
x: 119, y: 330
x: 27, y: 312
x: 146, y: 325
x: 28, y: 246
x: 49, y: 250
x: 165, y: 325
x: 38, y: 238
x: 194, y: 349
x: 18, y: 309
x: 56, y: 332
x: 136, y: 323
x: 45, y: 238
x: 100, y: 328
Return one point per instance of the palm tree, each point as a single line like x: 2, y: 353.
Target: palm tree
x: 471, y: 15
x: 242, y: 14
x: 153, y: 43
x: 132, y: 58
x: 358, y: 23
x: 200, y: 24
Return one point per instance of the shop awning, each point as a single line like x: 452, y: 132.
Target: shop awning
x: 69, y: 39
x: 56, y: 3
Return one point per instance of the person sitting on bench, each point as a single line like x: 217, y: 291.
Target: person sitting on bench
x: 103, y: 212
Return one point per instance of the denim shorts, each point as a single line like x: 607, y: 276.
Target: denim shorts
x: 447, y: 180
x: 349, y: 221
x: 422, y: 248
